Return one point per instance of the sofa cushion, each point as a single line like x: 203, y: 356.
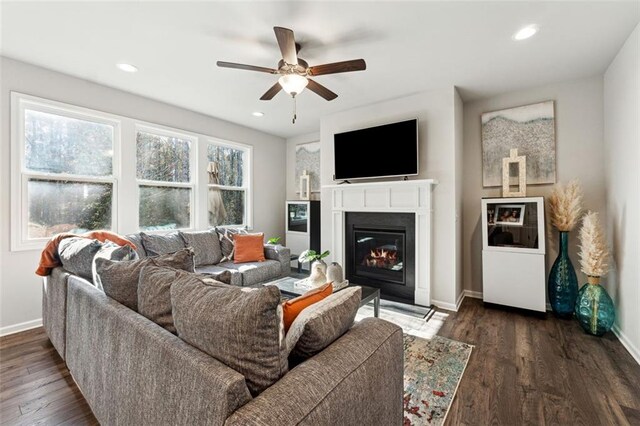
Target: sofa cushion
x: 161, y: 244
x: 137, y: 240
x: 120, y: 279
x: 154, y: 292
x: 255, y: 272
x: 292, y: 308
x: 322, y: 323
x: 113, y: 252
x: 249, y: 248
x: 238, y: 326
x: 221, y: 274
x: 206, y: 246
x: 76, y: 255
x: 227, y: 243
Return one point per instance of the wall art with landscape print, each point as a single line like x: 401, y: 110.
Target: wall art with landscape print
x: 308, y: 158
x: 530, y: 129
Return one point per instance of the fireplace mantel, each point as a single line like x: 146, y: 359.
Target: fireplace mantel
x: 411, y: 196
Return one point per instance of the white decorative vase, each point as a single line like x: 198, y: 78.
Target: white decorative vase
x: 334, y: 273
x: 322, y: 264
x: 317, y: 277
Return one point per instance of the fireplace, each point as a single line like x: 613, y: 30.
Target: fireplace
x: 380, y: 252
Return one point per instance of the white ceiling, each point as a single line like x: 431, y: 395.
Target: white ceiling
x: 409, y: 47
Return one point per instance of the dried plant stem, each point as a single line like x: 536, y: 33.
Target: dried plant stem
x: 594, y: 253
x: 565, y: 206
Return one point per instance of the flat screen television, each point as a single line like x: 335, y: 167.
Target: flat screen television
x: 374, y: 152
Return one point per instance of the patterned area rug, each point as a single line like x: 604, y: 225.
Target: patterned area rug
x: 432, y: 371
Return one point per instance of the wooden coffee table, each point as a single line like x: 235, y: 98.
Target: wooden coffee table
x: 287, y: 288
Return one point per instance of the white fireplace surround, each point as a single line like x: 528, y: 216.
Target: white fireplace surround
x: 411, y: 196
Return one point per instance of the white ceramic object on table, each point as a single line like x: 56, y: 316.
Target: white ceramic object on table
x: 317, y: 277
x: 334, y: 273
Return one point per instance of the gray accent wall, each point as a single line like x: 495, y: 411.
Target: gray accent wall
x: 20, y: 292
x: 579, y: 148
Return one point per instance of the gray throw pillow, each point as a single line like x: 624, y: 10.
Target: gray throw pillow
x: 137, y: 240
x: 161, y: 244
x: 76, y: 255
x: 320, y: 324
x: 120, y: 279
x: 227, y: 243
x: 114, y: 252
x: 240, y: 327
x: 154, y: 295
x: 206, y: 246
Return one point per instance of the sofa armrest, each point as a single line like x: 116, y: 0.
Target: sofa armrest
x: 133, y: 372
x: 281, y: 254
x: 54, y: 308
x: 357, y: 380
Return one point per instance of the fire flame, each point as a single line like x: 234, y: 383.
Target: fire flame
x: 381, y: 258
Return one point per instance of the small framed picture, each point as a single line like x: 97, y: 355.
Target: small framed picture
x: 509, y: 214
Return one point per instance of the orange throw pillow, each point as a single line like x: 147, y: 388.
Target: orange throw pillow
x: 292, y: 308
x: 249, y: 248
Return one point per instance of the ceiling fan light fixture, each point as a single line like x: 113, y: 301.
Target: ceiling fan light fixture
x: 293, y: 84
x: 526, y: 32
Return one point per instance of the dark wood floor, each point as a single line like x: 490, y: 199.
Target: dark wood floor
x: 528, y: 369
x: 35, y: 385
x: 524, y: 369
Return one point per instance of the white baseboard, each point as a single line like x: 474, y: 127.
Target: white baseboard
x: 473, y: 294
x: 23, y: 326
x: 635, y: 353
x: 445, y: 305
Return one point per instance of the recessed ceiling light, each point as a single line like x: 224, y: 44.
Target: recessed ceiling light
x: 127, y: 67
x: 526, y: 32
x: 258, y: 114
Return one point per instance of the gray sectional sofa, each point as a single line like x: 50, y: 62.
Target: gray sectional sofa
x: 134, y: 372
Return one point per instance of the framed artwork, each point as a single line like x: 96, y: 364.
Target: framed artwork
x: 531, y: 130
x: 509, y: 215
x: 308, y: 158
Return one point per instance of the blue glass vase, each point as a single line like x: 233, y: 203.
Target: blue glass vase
x: 563, y: 282
x: 594, y: 308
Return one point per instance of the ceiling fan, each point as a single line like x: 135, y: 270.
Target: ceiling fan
x: 295, y: 72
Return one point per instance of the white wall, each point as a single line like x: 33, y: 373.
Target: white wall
x: 459, y: 173
x: 622, y: 172
x: 435, y: 112
x: 292, y: 184
x: 579, y: 153
x: 20, y: 292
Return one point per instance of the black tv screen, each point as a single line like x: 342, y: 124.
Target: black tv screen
x: 381, y: 151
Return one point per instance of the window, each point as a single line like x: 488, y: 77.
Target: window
x: 227, y: 169
x: 163, y: 170
x: 64, y: 158
x: 75, y: 169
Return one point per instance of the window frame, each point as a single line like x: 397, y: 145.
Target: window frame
x: 20, y: 175
x: 158, y: 130
x: 125, y: 198
x: 247, y: 180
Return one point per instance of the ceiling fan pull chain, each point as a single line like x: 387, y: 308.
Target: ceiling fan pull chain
x: 294, y: 111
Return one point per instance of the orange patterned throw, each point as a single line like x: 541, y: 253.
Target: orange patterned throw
x: 292, y: 308
x: 249, y: 248
x: 49, y: 257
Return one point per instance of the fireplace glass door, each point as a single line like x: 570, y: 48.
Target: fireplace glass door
x: 380, y: 255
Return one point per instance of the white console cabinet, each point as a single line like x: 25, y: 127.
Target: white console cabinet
x: 513, y: 252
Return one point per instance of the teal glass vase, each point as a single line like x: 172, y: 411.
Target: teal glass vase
x: 563, y: 282
x: 595, y: 310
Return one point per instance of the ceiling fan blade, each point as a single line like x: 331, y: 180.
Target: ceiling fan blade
x: 245, y: 67
x: 269, y: 94
x: 321, y: 90
x: 287, y: 44
x: 337, y: 67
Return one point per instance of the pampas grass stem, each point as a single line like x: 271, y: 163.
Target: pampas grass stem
x: 565, y: 206
x: 594, y: 253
